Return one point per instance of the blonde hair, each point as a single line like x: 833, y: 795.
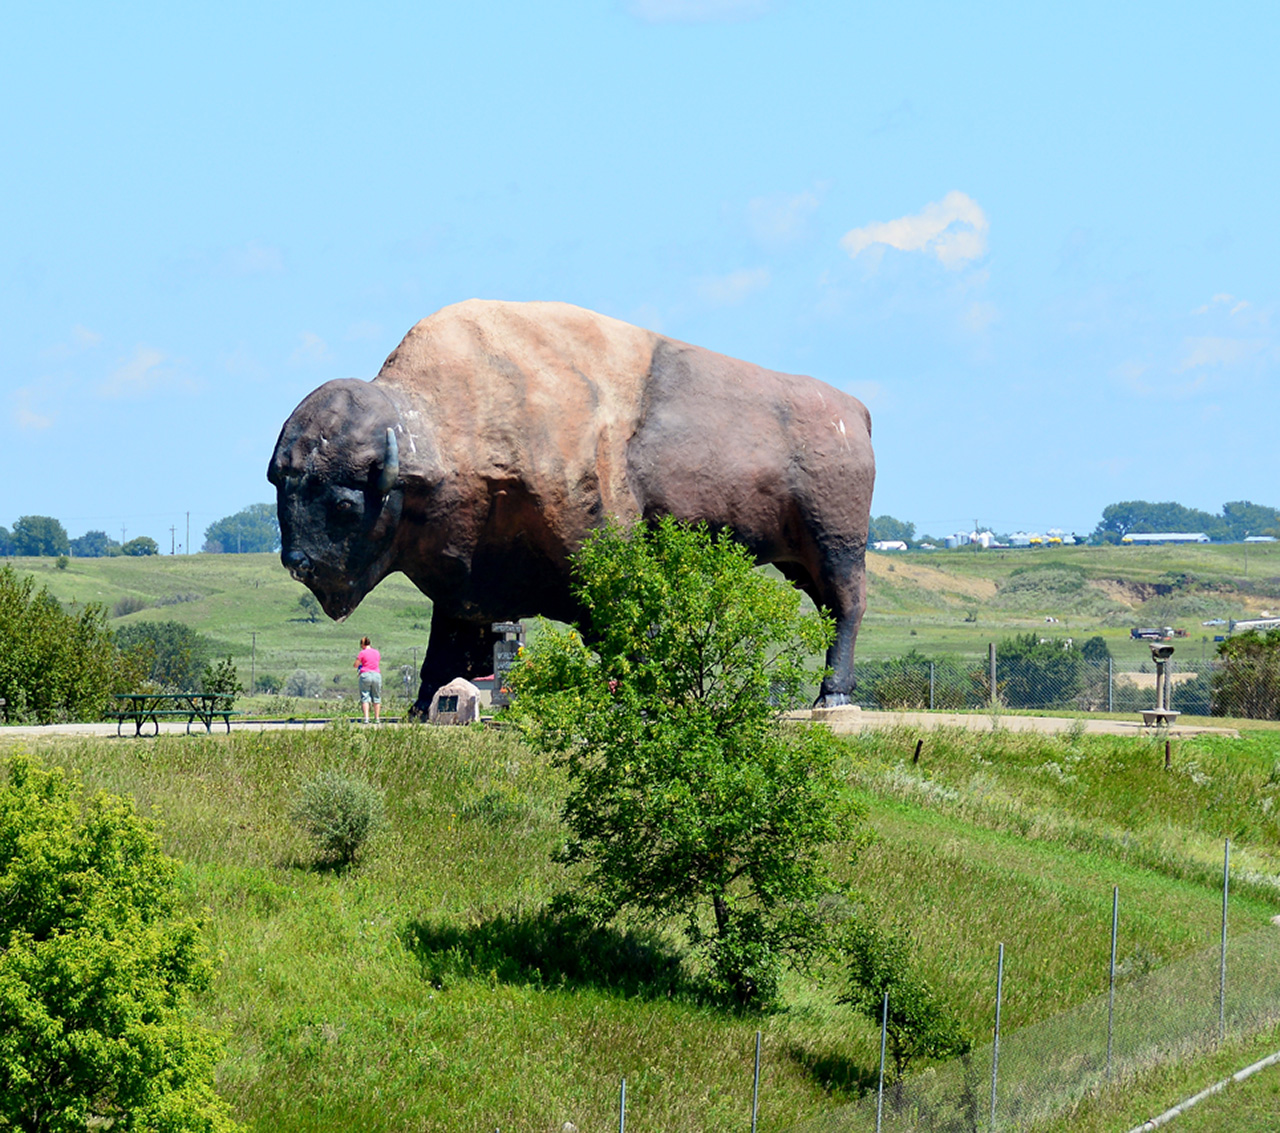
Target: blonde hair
x: 365, y: 643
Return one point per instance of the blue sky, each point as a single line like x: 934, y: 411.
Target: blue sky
x: 1038, y: 240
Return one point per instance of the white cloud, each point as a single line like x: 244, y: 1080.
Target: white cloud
x: 145, y: 371
x: 731, y: 289
x: 1213, y: 351
x: 781, y: 218
x: 255, y: 259
x: 697, y: 11
x: 953, y: 230
x: 311, y: 351
x: 24, y: 416
x: 82, y: 339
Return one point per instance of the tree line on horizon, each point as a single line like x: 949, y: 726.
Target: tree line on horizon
x: 253, y: 529
x: 1237, y: 520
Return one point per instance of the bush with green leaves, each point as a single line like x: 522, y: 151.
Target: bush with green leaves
x: 252, y: 529
x: 303, y: 683
x: 40, y: 535
x: 920, y: 1024
x: 339, y: 814
x: 98, y: 964
x: 55, y: 665
x: 221, y: 677
x: 173, y: 655
x: 688, y: 800
x: 1247, y: 682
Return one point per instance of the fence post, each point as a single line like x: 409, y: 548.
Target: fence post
x: 622, y: 1109
x: 884, y: 1032
x: 1111, y: 994
x: 755, y: 1087
x: 930, y: 686
x: 1222, y: 970
x: 1111, y: 685
x: 995, y: 1048
x: 991, y: 665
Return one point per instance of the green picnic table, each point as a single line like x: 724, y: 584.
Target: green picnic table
x: 142, y: 708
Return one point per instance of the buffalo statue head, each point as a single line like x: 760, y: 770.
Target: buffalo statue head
x: 336, y: 470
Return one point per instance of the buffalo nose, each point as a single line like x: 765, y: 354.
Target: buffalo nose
x: 297, y: 563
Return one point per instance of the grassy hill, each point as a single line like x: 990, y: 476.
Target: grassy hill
x: 942, y: 602
x: 420, y: 990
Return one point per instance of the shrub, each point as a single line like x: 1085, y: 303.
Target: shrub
x: 339, y: 814
x: 127, y: 605
x: 221, y: 678
x: 97, y: 967
x: 173, y: 655
x: 1248, y: 683
x: 302, y: 683
x: 55, y: 665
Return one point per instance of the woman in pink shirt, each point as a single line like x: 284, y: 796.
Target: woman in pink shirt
x: 367, y: 665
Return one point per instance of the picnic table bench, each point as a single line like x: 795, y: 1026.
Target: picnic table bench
x: 142, y: 708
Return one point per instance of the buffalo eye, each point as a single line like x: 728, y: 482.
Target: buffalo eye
x: 348, y: 504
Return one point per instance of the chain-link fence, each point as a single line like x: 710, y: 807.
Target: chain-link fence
x: 1041, y: 1071
x: 1066, y: 683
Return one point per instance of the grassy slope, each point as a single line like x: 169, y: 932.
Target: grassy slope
x: 917, y: 600
x: 330, y: 995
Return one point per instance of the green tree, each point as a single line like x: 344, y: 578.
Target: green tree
x: 171, y: 654
x: 6, y: 542
x: 97, y: 967
x: 1244, y: 518
x: 688, y: 799
x: 1035, y: 673
x: 885, y: 527
x: 142, y: 545
x: 919, y: 1025
x: 40, y: 535
x: 1247, y: 682
x: 94, y: 545
x: 1135, y: 516
x: 55, y: 665
x: 253, y: 529
x: 221, y: 678
x: 309, y: 606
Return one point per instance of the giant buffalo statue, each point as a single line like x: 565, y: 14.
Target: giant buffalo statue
x: 498, y: 435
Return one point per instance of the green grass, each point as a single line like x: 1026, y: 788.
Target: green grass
x: 418, y: 989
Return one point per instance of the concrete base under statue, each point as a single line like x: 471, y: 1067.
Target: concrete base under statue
x: 1158, y: 717
x: 845, y: 713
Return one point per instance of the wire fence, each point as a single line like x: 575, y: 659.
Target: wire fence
x: 1041, y: 1072
x: 1065, y: 683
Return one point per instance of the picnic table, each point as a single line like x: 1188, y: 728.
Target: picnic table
x: 142, y: 708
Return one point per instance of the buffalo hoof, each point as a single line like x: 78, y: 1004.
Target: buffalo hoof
x: 832, y: 700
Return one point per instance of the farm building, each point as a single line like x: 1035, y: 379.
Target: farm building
x: 1165, y: 537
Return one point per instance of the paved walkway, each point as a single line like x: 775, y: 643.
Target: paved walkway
x: 842, y: 721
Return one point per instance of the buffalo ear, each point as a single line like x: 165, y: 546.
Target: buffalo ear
x: 390, y: 464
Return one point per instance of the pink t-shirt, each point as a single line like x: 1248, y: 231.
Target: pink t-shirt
x: 369, y: 659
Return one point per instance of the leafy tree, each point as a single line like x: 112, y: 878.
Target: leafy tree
x: 904, y: 682
x: 1244, y: 518
x: 885, y: 527
x: 142, y: 545
x: 97, y: 967
x: 1135, y: 516
x: 252, y: 529
x: 1034, y: 674
x: 221, y: 678
x: 687, y: 797
x: 6, y: 542
x: 919, y: 1025
x: 40, y: 535
x: 55, y: 665
x: 309, y: 606
x: 1247, y: 683
x: 94, y: 545
x: 171, y: 654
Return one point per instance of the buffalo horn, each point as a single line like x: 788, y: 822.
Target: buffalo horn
x: 391, y: 465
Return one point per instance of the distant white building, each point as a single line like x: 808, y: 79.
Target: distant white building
x: 889, y: 545
x: 1259, y: 538
x: 1165, y: 537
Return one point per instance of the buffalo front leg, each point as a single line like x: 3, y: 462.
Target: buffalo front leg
x: 456, y: 648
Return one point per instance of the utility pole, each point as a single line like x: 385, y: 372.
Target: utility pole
x: 122, y: 529
x: 172, y: 547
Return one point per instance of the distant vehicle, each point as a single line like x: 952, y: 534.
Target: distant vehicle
x: 1162, y: 633
x: 1215, y: 622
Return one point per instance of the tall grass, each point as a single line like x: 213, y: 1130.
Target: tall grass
x: 426, y: 987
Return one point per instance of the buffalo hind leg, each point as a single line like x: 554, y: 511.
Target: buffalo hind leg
x: 844, y: 593
x: 456, y: 648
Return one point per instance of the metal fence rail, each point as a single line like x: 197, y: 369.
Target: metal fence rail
x: 1074, y: 684
x: 1047, y: 1068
